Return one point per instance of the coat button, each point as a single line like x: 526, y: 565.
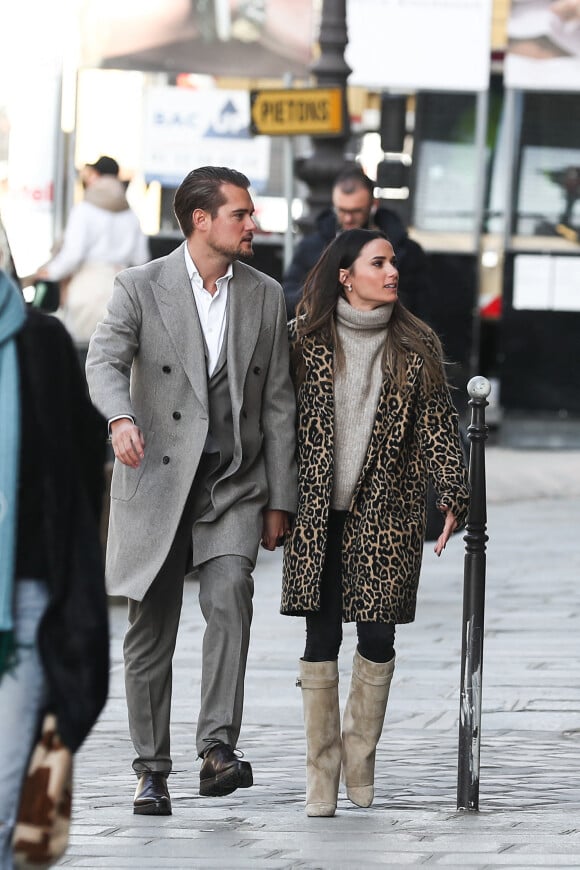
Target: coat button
x: 166, y: 369
x: 257, y: 370
x: 245, y: 415
x: 176, y: 415
x: 165, y: 460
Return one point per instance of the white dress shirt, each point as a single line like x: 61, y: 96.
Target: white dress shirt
x: 212, y: 310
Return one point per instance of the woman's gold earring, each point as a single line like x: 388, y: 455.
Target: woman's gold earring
x: 349, y: 288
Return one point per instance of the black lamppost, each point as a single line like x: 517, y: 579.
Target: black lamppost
x: 330, y: 70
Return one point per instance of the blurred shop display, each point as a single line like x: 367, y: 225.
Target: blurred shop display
x: 543, y: 45
x: 568, y: 180
x: 549, y: 192
x: 266, y: 38
x: 526, y: 272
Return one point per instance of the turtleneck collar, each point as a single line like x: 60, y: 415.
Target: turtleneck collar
x: 377, y: 318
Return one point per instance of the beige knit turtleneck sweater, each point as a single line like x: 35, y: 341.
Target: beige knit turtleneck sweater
x: 357, y: 385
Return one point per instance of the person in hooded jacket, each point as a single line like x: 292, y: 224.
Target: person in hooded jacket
x: 102, y: 237
x: 355, y: 206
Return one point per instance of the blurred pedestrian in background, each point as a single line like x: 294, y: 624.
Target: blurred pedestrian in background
x: 190, y: 367
x: 102, y: 236
x: 54, y: 642
x: 354, y: 205
x: 375, y: 423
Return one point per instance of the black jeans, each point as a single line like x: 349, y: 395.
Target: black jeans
x: 324, y: 628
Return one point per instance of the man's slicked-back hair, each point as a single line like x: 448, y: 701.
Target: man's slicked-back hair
x: 202, y: 188
x: 353, y: 178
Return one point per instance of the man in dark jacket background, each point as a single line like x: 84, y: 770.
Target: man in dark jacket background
x: 354, y: 205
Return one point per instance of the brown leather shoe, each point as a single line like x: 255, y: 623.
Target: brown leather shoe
x: 151, y: 795
x: 222, y: 772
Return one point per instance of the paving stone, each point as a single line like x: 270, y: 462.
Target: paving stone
x: 530, y: 746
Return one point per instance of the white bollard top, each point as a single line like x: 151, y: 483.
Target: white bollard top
x: 479, y: 387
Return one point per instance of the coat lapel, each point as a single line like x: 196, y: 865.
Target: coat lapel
x: 174, y: 297
x: 319, y: 365
x: 318, y: 396
x: 316, y: 414
x: 246, y: 299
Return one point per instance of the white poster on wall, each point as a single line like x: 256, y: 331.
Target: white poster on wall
x: 34, y: 44
x: 437, y: 45
x: 255, y: 38
x: 185, y: 128
x: 543, y: 46
x: 28, y: 205
x: 546, y: 282
x: 532, y: 283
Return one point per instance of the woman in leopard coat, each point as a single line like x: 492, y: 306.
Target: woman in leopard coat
x: 375, y: 424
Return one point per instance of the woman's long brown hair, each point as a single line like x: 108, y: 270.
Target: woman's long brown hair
x: 316, y: 313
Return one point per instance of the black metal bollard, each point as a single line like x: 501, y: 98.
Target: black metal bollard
x: 473, y: 604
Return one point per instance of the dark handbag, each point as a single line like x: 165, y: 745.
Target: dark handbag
x: 43, y: 823
x: 46, y: 295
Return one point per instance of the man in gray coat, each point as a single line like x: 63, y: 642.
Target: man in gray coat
x: 190, y: 367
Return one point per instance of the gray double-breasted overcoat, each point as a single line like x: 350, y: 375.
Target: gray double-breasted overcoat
x: 147, y: 360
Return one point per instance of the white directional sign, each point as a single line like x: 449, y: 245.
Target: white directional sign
x: 185, y: 128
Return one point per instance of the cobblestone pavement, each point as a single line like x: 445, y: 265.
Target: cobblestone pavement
x: 530, y: 755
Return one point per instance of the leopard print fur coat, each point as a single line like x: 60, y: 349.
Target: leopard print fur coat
x: 415, y: 438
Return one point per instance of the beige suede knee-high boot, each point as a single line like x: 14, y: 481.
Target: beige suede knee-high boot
x: 319, y: 684
x: 362, y: 725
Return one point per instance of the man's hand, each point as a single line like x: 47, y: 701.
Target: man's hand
x: 448, y: 529
x: 275, y: 526
x: 128, y: 442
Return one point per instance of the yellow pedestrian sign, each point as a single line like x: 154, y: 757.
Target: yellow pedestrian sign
x: 297, y: 112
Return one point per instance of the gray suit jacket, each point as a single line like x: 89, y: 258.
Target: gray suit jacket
x: 146, y: 359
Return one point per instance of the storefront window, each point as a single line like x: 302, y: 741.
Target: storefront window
x: 548, y: 189
x: 445, y: 163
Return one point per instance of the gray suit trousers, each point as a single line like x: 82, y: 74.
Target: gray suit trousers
x: 225, y: 595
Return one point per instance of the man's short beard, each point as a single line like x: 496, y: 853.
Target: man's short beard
x: 232, y: 255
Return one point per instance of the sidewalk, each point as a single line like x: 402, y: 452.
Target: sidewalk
x: 530, y: 758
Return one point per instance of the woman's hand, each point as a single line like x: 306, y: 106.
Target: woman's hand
x: 448, y: 529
